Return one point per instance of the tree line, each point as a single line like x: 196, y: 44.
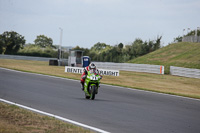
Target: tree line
x: 120, y: 52
x: 14, y: 43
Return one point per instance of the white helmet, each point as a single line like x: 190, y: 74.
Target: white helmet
x: 92, y: 66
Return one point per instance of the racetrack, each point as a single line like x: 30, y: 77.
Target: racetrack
x: 115, y: 109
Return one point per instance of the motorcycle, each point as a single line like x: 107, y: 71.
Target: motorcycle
x: 91, y: 85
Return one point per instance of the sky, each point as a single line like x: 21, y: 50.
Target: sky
x: 87, y: 22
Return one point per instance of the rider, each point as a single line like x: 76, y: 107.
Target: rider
x: 85, y: 72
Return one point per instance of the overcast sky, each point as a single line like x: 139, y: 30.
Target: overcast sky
x: 86, y: 22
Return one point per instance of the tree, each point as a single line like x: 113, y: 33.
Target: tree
x: 178, y: 39
x: 99, y: 46
x: 193, y: 32
x: 86, y: 51
x: 77, y: 48
x: 157, y: 43
x: 43, y: 41
x: 121, y: 45
x: 136, y: 48
x: 150, y: 46
x: 11, y: 42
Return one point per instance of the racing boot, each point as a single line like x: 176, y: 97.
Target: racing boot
x: 82, y: 86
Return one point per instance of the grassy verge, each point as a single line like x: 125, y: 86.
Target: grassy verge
x: 17, y: 120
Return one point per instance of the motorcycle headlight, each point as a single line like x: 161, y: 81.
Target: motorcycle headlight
x: 91, y: 77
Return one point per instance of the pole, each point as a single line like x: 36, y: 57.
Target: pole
x: 196, y: 32
x: 61, y: 30
x: 188, y: 30
x: 60, y: 49
x: 183, y: 31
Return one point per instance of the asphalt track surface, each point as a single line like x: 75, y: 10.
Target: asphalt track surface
x: 115, y: 109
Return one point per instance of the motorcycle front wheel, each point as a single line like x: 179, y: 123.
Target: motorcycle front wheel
x: 92, y: 92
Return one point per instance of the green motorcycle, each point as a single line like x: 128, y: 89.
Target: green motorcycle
x: 91, y: 85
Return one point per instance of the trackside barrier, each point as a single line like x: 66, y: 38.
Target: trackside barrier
x: 101, y: 71
x: 178, y: 71
x: 52, y: 61
x: 185, y: 72
x: 103, y: 65
x: 19, y: 57
x: 131, y: 67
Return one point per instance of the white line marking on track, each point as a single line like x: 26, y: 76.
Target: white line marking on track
x: 56, y: 116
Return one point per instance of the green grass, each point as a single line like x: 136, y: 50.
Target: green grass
x: 17, y: 120
x: 182, y: 54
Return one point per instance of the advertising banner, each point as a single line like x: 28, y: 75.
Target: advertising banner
x: 101, y: 71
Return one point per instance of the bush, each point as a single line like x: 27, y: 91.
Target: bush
x: 33, y: 50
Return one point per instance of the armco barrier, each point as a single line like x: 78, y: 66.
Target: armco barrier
x: 104, y: 65
x: 131, y: 67
x: 63, y: 62
x: 19, y: 57
x: 185, y: 72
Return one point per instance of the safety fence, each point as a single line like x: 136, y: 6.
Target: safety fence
x: 52, y: 61
x: 178, y: 71
x: 185, y: 72
x: 18, y: 57
x: 191, y: 39
x: 131, y: 67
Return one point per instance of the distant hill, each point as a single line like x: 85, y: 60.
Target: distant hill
x: 183, y: 54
